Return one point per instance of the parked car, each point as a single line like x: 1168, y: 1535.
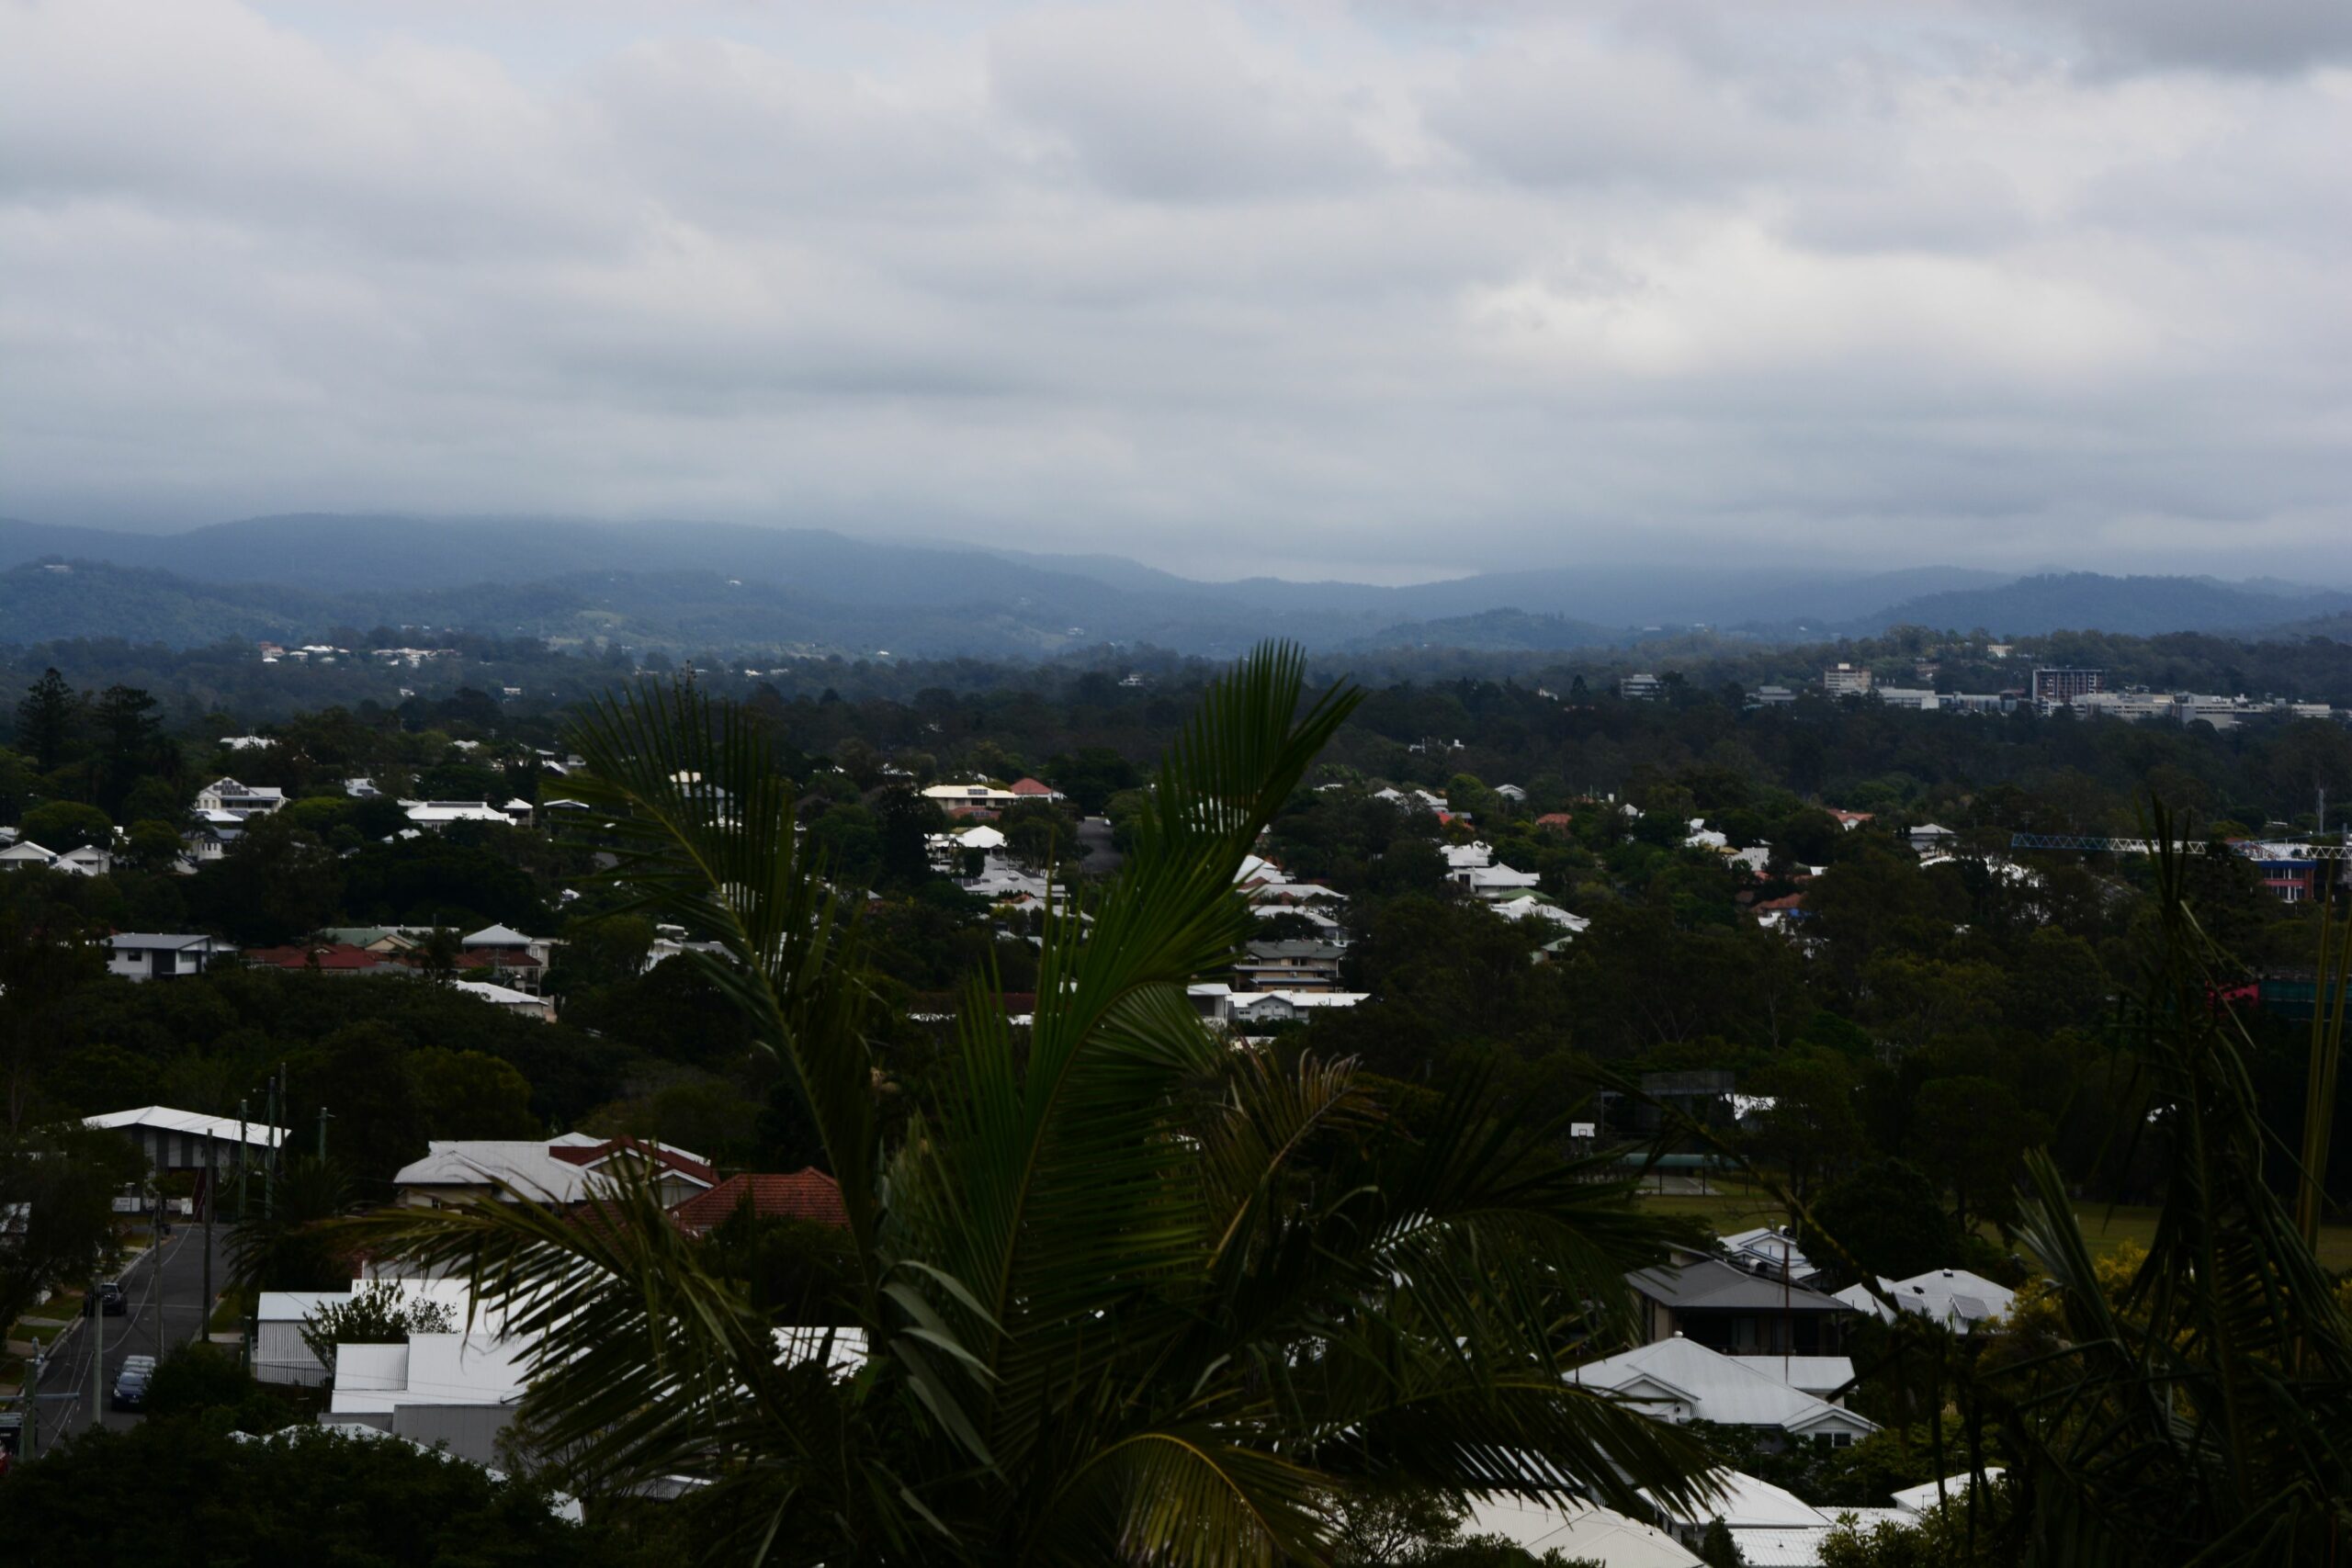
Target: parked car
x: 108, y: 1297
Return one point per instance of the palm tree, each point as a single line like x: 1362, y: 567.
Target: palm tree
x: 2205, y: 1416
x: 1128, y: 1292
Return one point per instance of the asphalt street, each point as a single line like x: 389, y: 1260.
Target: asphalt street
x: 165, y: 1286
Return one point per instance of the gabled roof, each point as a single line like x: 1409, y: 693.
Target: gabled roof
x: 806, y: 1194
x: 162, y: 1118
x: 1954, y: 1297
x: 1711, y: 1285
x: 1743, y: 1500
x: 495, y: 936
x: 529, y: 1169
x: 176, y: 941
x: 1731, y: 1390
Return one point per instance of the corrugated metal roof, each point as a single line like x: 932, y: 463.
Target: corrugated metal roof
x: 162, y: 1118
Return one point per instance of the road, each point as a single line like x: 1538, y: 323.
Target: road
x: 167, y: 1289
x: 1094, y: 837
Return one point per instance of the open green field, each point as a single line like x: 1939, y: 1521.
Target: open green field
x: 2106, y: 1229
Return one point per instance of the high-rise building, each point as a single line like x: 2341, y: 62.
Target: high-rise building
x: 1846, y: 681
x: 2056, y: 687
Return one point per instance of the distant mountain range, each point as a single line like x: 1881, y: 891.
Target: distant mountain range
x: 711, y: 586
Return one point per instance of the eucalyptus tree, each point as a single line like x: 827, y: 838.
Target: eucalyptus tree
x: 1123, y: 1290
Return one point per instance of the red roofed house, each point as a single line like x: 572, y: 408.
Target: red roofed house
x: 1557, y: 821
x: 683, y: 1174
x: 1036, y: 791
x: 326, y: 958
x: 808, y: 1194
x: 1849, y: 820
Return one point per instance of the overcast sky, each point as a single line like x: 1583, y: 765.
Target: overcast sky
x: 1381, y: 291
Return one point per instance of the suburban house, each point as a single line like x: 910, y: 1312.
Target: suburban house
x: 188, y: 1140
x: 1929, y: 837
x: 436, y: 815
x: 1494, y: 881
x: 1849, y: 820
x: 971, y: 799
x: 512, y: 1171
x: 516, y: 959
x: 1771, y: 1252
x: 212, y: 836
x: 1031, y: 789
x: 151, y: 955
x: 1959, y: 1300
x: 1284, y: 1007
x: 1288, y: 966
x: 240, y: 800
x: 1680, y: 1380
x: 339, y: 958
x: 82, y: 861
x: 1740, y: 1313
x: 680, y: 1175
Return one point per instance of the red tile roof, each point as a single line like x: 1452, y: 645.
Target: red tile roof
x: 806, y: 1194
x: 1030, y: 786
x: 1554, y: 819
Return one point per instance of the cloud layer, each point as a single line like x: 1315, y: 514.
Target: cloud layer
x: 1381, y: 291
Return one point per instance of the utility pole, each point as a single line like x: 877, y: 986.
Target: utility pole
x: 244, y: 1144
x: 323, y: 1134
x: 32, y: 1403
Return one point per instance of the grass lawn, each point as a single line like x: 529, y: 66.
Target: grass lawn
x: 2104, y: 1229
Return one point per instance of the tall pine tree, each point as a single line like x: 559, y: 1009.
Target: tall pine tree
x: 46, y: 719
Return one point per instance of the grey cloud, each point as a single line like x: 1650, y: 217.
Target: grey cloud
x: 2253, y: 36
x: 1153, y: 102
x: 1231, y: 291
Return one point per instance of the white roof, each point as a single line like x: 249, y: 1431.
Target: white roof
x: 1773, y: 1547
x: 1245, y: 1000
x: 293, y: 1306
x: 1954, y: 1297
x: 28, y: 849
x: 519, y: 804
x: 456, y: 1368
x: 1577, y: 1529
x: 1814, y: 1374
x: 980, y: 838
x: 1747, y: 1502
x: 454, y: 811
x: 164, y: 1118
x: 1692, y: 1383
x: 144, y: 940
x: 496, y: 936
x: 1460, y: 856
x: 1482, y: 876
x: 502, y: 996
x: 525, y: 1167
x: 1919, y: 1499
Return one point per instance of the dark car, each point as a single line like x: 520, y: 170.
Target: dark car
x: 130, y: 1390
x: 109, y: 1298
